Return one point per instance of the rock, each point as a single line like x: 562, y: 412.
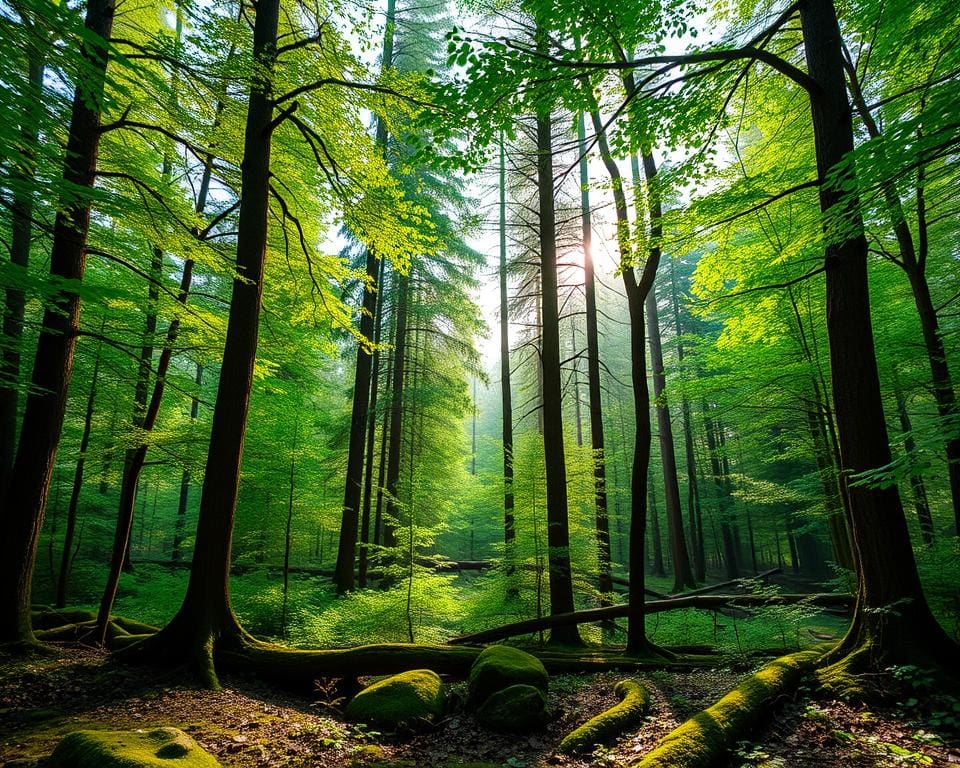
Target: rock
x: 401, y: 701
x: 499, y: 667
x: 158, y: 748
x: 515, y: 709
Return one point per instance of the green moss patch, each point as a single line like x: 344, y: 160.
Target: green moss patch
x: 703, y: 739
x: 158, y: 748
x: 400, y: 701
x: 515, y: 709
x: 634, y: 702
x: 501, y: 666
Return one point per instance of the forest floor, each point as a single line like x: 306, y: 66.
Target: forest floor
x: 252, y: 725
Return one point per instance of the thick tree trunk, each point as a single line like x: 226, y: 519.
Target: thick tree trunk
x: 593, y: 374
x: 66, y: 557
x: 892, y: 623
x: 558, y: 537
x: 21, y: 226
x: 913, y: 261
x: 26, y: 494
x: 205, y: 619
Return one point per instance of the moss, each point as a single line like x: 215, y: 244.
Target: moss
x: 403, y: 700
x: 130, y: 749
x: 501, y: 666
x: 703, y: 739
x: 515, y: 709
x: 634, y: 702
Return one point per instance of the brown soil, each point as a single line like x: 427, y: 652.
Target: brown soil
x: 252, y: 725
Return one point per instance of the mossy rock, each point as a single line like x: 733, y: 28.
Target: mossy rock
x: 501, y: 666
x: 515, y: 709
x: 401, y: 701
x: 159, y: 748
x: 634, y: 702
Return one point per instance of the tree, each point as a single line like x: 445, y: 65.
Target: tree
x: 26, y: 494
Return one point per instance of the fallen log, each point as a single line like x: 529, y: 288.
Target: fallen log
x: 606, y: 613
x: 706, y: 738
x: 629, y: 712
x: 298, y: 669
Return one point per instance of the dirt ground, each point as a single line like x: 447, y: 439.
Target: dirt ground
x: 249, y: 725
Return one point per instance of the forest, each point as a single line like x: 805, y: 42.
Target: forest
x: 480, y: 383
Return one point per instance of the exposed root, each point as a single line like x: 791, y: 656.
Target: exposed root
x: 629, y: 712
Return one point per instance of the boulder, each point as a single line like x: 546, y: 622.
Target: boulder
x: 401, y: 701
x: 157, y: 748
x: 515, y: 709
x: 501, y: 666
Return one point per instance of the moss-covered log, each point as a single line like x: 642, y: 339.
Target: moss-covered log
x: 706, y: 738
x: 298, y: 669
x: 629, y: 712
x: 606, y: 613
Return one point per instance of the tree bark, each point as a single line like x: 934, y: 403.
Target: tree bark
x: 66, y: 557
x: 878, y: 635
x: 205, y: 618
x: 185, y: 477
x: 506, y: 394
x: 26, y: 494
x: 679, y: 554
x: 21, y: 226
x: 558, y: 536
x: 694, y: 514
x: 605, y: 586
x: 913, y: 261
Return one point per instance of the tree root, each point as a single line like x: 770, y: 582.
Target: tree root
x: 633, y: 705
x: 704, y: 739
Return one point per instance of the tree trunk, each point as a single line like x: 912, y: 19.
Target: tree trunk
x: 605, y: 586
x: 724, y: 503
x: 66, y: 556
x: 396, y: 410
x: 656, y: 564
x: 185, y: 477
x: 694, y: 515
x: 558, y: 537
x: 636, y: 292
x: 29, y: 484
x: 920, y: 502
x: 506, y: 395
x: 913, y: 261
x: 205, y: 618
x: 371, y: 437
x: 21, y: 226
x: 683, y: 575
x: 880, y: 633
